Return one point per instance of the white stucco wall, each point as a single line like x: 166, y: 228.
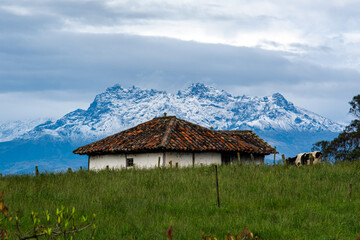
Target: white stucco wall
x: 207, y: 158
x: 150, y: 160
x: 118, y: 161
x: 101, y: 161
x: 186, y: 159
x: 183, y: 159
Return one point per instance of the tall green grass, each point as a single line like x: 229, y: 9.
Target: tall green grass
x: 276, y: 202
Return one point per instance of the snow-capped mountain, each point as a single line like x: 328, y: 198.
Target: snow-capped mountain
x: 49, y: 145
x: 10, y: 130
x: 120, y: 108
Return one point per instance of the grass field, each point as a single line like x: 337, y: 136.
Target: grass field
x: 275, y: 202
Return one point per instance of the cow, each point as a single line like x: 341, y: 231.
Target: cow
x: 305, y: 158
x: 317, y: 156
x: 290, y: 161
x: 302, y: 159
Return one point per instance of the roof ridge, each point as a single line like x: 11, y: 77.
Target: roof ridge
x: 166, y: 138
x: 164, y: 117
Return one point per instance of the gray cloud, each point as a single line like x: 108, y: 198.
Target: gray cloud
x: 68, y: 61
x: 306, y: 47
x: 21, y: 26
x: 37, y: 57
x: 90, y: 63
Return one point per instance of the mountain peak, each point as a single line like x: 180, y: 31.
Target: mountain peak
x: 202, y: 91
x: 200, y: 86
x: 196, y: 89
x: 115, y: 88
x: 278, y: 96
x: 116, y: 93
x: 280, y: 101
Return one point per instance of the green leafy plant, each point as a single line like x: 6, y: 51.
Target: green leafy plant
x: 62, y: 225
x: 4, y: 219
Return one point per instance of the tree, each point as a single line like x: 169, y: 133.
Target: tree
x: 346, y: 146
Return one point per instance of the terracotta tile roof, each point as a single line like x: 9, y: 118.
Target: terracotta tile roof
x: 174, y: 134
x: 251, y: 138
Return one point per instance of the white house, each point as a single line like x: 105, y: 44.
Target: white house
x: 163, y: 141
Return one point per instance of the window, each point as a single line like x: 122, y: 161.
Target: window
x: 129, y: 162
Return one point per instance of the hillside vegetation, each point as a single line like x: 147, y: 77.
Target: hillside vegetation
x: 275, y: 202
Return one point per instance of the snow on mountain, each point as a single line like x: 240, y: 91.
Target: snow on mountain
x: 10, y: 130
x: 49, y: 144
x: 120, y: 108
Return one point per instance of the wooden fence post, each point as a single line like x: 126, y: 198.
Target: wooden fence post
x: 274, y: 154
x: 283, y: 159
x: 238, y: 157
x: 350, y: 191
x: 69, y: 170
x: 159, y: 162
x: 170, y: 164
x: 80, y: 168
x: 176, y: 164
x: 217, y: 187
x: 252, y: 158
x: 37, y: 171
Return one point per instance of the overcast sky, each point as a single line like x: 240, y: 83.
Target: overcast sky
x: 55, y: 56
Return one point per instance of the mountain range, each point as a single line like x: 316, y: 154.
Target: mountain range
x: 49, y: 145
